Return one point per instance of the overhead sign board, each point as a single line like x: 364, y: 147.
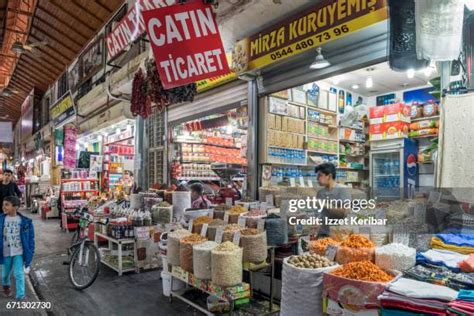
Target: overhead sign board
x: 324, y: 22
x: 186, y: 43
x: 63, y: 110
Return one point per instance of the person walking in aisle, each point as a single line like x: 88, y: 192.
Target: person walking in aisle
x: 8, y: 187
x: 17, y: 247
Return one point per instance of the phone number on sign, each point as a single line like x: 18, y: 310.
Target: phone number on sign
x: 28, y: 305
x: 310, y: 42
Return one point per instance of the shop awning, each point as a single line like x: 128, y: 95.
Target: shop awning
x: 221, y: 99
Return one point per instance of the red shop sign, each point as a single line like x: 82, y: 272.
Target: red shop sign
x: 186, y: 43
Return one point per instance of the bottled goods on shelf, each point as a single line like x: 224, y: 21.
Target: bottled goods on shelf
x: 286, y: 156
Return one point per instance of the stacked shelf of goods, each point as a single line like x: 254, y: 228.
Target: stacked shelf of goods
x: 196, y: 156
x: 353, y: 154
x: 322, y: 136
x: 285, y: 130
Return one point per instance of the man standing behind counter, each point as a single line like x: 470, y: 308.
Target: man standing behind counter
x: 332, y: 191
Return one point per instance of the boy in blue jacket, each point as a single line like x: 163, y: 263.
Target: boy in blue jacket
x: 17, y: 246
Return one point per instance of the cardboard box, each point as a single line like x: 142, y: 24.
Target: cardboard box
x: 376, y: 114
x: 390, y: 130
x: 284, y: 124
x: 294, y: 141
x: 397, y: 112
x: 179, y: 273
x: 271, y: 121
x: 271, y: 138
x: 389, y: 113
x: 278, y: 122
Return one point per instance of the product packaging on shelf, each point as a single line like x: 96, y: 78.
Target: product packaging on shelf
x: 180, y: 273
x: 239, y: 291
x: 198, y: 283
x: 398, y: 112
x: 388, y: 130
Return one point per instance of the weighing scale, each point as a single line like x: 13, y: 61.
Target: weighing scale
x: 227, y: 194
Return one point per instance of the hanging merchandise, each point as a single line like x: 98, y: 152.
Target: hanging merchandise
x: 162, y: 97
x: 70, y: 138
x: 140, y: 103
x: 439, y: 25
x: 402, y: 46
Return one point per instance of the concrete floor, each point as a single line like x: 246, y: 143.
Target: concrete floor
x: 131, y: 294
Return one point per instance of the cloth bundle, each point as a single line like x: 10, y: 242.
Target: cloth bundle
x: 461, y: 243
x: 443, y: 258
x: 417, y: 297
x: 464, y: 305
x: 441, y: 276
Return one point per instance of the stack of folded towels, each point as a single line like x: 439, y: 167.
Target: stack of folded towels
x: 463, y: 305
x: 411, y: 297
x: 460, y: 243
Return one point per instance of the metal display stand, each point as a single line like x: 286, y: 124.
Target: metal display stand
x: 120, y: 243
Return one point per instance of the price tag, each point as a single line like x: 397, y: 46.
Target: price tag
x: 269, y: 199
x: 143, y: 233
x: 236, y: 239
x: 261, y: 225
x: 242, y: 221
x: 310, y: 183
x: 204, y: 229
x: 219, y: 234
x: 226, y: 217
x: 302, y: 181
x: 228, y: 201
x: 292, y: 182
x: 331, y: 252
x: 211, y: 214
x: 190, y: 226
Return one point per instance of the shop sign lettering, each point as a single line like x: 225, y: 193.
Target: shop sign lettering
x: 326, y: 21
x: 186, y: 43
x: 131, y: 26
x: 63, y: 110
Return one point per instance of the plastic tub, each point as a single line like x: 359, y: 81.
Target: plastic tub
x: 166, y: 279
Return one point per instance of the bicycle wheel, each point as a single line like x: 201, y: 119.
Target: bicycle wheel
x: 82, y: 273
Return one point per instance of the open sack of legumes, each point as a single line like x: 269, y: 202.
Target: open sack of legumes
x: 302, y: 284
x: 186, y: 250
x: 252, y: 217
x: 226, y: 262
x: 357, y: 284
x: 213, y: 226
x: 319, y: 246
x: 229, y: 231
x: 395, y: 257
x: 277, y: 230
x: 199, y: 222
x: 254, y: 244
x: 355, y: 248
x: 162, y: 213
x: 202, y: 259
x: 235, y: 212
x: 173, y: 245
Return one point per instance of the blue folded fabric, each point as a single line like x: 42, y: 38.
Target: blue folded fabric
x: 466, y: 295
x: 462, y: 240
x: 420, y: 259
x: 399, y: 312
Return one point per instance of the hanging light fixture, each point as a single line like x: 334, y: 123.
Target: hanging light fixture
x: 355, y: 86
x: 369, y: 82
x: 411, y: 73
x: 319, y: 62
x: 428, y: 71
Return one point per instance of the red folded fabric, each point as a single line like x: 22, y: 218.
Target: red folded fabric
x: 468, y: 264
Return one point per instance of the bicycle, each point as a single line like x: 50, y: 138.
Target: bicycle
x: 84, y: 262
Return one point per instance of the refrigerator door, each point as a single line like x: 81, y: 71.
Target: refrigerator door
x: 386, y: 174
